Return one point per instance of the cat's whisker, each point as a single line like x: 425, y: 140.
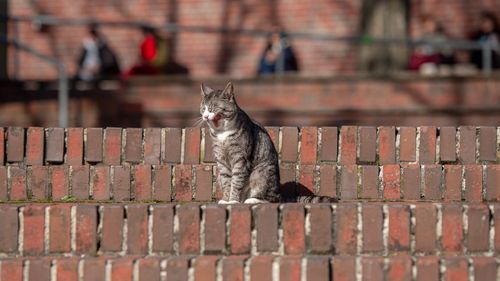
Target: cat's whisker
x: 198, y: 123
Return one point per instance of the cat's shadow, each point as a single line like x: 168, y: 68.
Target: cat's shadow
x: 293, y: 189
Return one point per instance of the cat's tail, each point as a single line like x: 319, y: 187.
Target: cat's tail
x: 315, y: 199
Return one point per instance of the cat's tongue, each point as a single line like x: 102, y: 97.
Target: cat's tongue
x: 216, y: 120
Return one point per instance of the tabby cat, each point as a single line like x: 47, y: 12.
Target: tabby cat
x: 246, y: 158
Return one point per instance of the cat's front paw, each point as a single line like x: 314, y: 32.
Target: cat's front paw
x: 254, y: 201
x: 228, y: 202
x: 222, y: 202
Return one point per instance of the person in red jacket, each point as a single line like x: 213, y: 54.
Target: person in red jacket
x: 153, y: 54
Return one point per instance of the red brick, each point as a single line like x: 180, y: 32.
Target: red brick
x: 485, y: 268
x: 121, y: 183
x: 59, y: 181
x: 183, y: 182
x: 233, y: 268
x: 3, y: 183
x: 372, y: 268
x: 289, y: 268
x: 189, y: 229
x: 318, y: 268
x: 149, y: 269
x: 348, y: 144
x: 10, y: 226
x: 344, y: 268
x: 467, y: 145
x: 328, y: 180
x: 214, y: 229
x: 407, y: 144
x: 17, y: 182
x: 391, y: 181
x: 427, y: 145
x: 59, y: 228
x: 15, y: 144
x: 346, y: 218
x: 133, y: 145
x: 320, y: 235
x: 100, y: 181
x: 208, y: 155
x: 373, y: 221
x: 38, y: 182
x: 307, y: 184
x: 152, y: 146
x: 162, y: 183
x: 274, y: 134
x: 387, y: 145
x: 349, y: 182
x: 86, y: 230
x: 240, y: 223
x: 142, y: 182
x: 369, y: 182
x: 478, y: 228
x: 34, y: 146
x: 425, y: 228
x: 288, y: 187
x: 410, y: 182
x: 2, y: 146
x: 67, y: 269
x: 456, y: 269
x: 473, y: 175
x: 137, y: 224
x: 496, y: 223
x: 122, y: 269
x: 177, y: 269
x: 163, y: 228
x: 452, y: 182
x: 203, y: 183
x: 431, y: 188
x: 493, y: 182
x: 54, y: 150
x: 309, y: 145
x: 328, y: 150
x: 34, y: 221
x: 112, y: 146
x: 94, y: 270
x: 39, y: 270
x: 266, y: 225
x: 11, y: 269
x: 447, y: 144
x: 172, y: 148
x: 427, y: 268
x: 399, y: 228
x: 452, y: 237
x: 488, y: 144
x: 289, y: 144
x: 93, y: 145
x: 367, y: 144
x: 400, y: 269
x: 261, y: 268
x: 205, y: 268
x: 293, y: 224
x: 112, y: 228
x: 74, y: 146
x: 80, y: 182
x: 192, y: 145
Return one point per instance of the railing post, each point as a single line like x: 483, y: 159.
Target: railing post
x: 17, y: 64
x: 63, y: 96
x: 487, y: 58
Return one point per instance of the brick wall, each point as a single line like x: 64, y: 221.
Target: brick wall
x: 207, y: 54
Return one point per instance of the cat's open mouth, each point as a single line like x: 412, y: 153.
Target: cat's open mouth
x: 216, y: 120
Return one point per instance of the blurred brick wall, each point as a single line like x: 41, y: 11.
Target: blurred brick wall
x: 207, y: 54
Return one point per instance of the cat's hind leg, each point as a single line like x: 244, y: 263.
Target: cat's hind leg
x: 255, y: 201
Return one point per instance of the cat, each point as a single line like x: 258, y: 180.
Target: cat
x: 247, y: 160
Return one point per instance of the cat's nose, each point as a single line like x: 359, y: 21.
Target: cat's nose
x: 205, y: 117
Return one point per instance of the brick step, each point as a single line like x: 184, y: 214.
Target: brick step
x: 185, y: 182
x: 253, y: 268
x: 379, y: 229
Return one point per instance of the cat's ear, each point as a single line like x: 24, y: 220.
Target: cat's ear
x: 228, y: 92
x: 205, y: 90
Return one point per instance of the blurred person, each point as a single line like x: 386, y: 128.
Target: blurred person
x: 97, y: 60
x: 278, y: 55
x: 487, y: 33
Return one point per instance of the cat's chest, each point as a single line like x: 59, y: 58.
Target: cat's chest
x: 223, y: 136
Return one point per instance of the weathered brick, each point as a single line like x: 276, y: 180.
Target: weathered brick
x: 34, y: 146
x: 447, y: 144
x: 142, y: 182
x: 205, y: 268
x: 74, y: 146
x: 183, y: 182
x: 369, y: 182
x: 452, y: 232
x: 10, y: 226
x: 348, y: 144
x: 67, y: 269
x: 94, y: 270
x: 177, y: 269
x: 400, y: 268
x: 59, y: 181
x: 33, y: 235
x: 431, y: 188
x: 2, y: 146
x: 373, y: 220
x: 289, y: 268
x: 162, y: 183
x: 122, y: 269
x: 11, y: 269
x: 149, y: 269
x: 410, y: 182
x: 288, y: 185
x: 346, y: 218
x: 192, y: 139
x: 15, y: 144
x: 112, y: 228
x: 407, y: 144
x: 367, y: 144
x: 349, y: 182
x: 320, y: 235
x: 456, y: 269
x: 152, y: 146
x: 425, y: 228
x: 328, y: 150
x: 266, y: 225
x: 289, y: 144
x: 39, y: 270
x: 54, y: 149
x: 38, y: 182
x: 80, y: 182
x: 137, y: 224
x: 387, y: 145
x: 391, y: 181
x: 485, y: 268
x: 203, y: 182
x: 17, y: 183
x: 3, y: 183
x: 112, y: 146
x: 163, y: 228
x: 467, y: 145
x: 307, y: 185
x: 399, y: 228
x: 293, y: 224
x: 274, y: 133
x: 133, y: 145
x: 121, y: 183
x: 478, y: 228
x: 452, y: 182
x: 172, y: 148
x: 427, y: 268
x: 208, y: 152
x: 493, y: 183
x: 93, y: 145
x: 372, y: 268
x: 344, y: 268
x: 318, y: 268
x: 86, y: 230
x: 188, y: 235
x: 473, y: 175
x: 261, y: 268
x: 233, y: 268
x: 309, y: 145
x: 214, y: 229
x: 488, y: 144
x: 240, y: 223
x: 100, y: 181
x: 59, y: 228
x: 328, y: 180
x: 427, y: 145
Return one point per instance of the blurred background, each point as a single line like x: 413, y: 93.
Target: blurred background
x: 324, y: 63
